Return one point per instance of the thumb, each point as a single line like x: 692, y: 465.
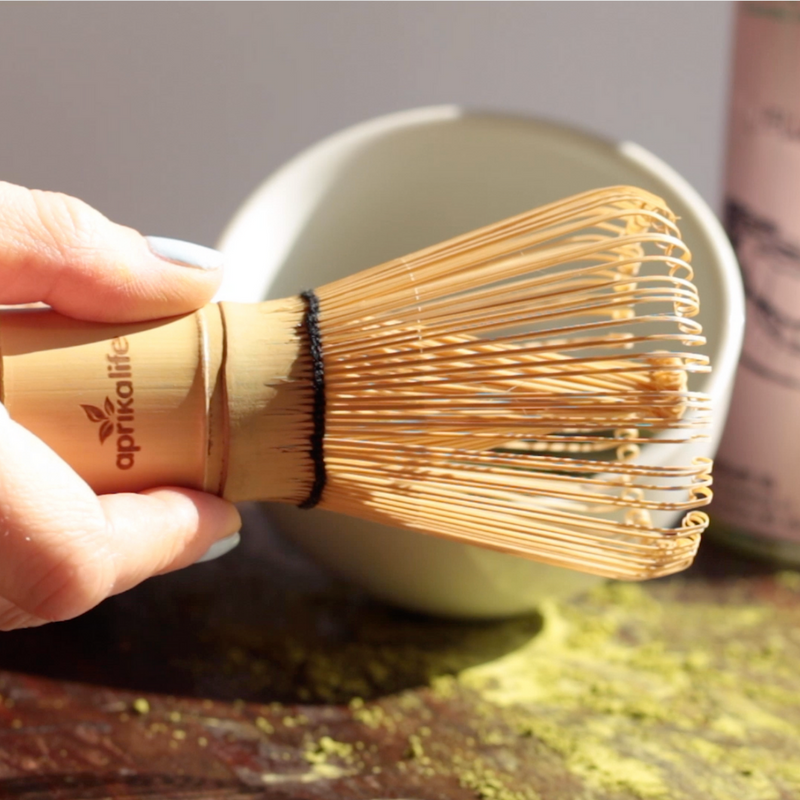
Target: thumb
x: 58, y: 250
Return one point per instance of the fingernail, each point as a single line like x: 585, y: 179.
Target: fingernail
x: 220, y: 548
x: 4, y: 412
x: 186, y: 254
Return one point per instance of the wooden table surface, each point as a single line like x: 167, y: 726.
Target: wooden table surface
x: 257, y: 676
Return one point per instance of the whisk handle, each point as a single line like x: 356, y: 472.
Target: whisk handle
x: 178, y: 401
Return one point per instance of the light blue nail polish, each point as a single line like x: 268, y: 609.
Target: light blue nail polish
x: 220, y: 548
x: 186, y: 254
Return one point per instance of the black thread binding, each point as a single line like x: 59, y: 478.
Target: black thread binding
x: 317, y: 437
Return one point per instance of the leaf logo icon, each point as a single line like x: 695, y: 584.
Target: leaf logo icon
x: 93, y: 412
x: 106, y: 429
x: 101, y: 415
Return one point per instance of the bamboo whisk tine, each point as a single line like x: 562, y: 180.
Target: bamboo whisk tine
x: 507, y: 388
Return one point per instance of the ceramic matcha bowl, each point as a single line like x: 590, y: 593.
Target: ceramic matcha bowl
x: 393, y: 185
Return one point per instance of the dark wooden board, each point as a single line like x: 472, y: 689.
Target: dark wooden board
x: 258, y: 676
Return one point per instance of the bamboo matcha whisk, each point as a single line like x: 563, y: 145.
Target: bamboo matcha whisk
x: 511, y: 388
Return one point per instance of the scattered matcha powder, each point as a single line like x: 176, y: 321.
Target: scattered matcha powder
x: 319, y: 752
x: 141, y: 706
x: 634, y: 693
x: 264, y: 725
x: 415, y: 748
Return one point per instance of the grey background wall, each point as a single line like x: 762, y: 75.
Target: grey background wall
x: 165, y: 116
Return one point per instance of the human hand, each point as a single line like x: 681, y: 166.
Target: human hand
x: 63, y: 549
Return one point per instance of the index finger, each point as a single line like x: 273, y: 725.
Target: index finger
x: 59, y: 250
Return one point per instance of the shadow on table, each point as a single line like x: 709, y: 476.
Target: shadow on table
x: 260, y: 625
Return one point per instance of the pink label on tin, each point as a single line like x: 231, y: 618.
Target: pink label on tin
x: 757, y: 485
